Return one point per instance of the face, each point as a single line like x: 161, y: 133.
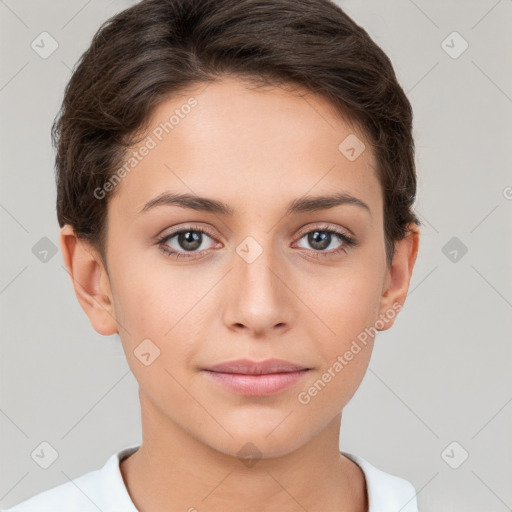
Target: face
x: 194, y: 284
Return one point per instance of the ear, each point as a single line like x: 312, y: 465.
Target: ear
x: 90, y: 281
x: 398, y: 276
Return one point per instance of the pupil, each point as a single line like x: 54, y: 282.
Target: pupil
x: 190, y: 240
x: 322, y: 236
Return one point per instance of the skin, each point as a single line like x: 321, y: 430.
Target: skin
x: 255, y: 150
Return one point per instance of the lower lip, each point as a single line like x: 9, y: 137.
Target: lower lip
x: 257, y: 385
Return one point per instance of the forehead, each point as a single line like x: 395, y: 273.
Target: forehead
x: 228, y: 139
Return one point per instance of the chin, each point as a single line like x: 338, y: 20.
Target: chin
x: 256, y: 443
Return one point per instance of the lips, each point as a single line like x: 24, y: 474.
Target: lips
x: 257, y: 379
x: 248, y: 367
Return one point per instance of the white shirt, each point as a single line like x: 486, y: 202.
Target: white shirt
x: 104, y: 490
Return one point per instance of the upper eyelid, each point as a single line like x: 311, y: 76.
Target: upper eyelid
x: 306, y: 229
x: 302, y: 232
x: 323, y: 227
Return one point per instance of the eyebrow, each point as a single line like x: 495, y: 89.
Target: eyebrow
x: 300, y: 205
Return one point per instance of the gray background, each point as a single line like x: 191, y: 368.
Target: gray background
x: 441, y: 374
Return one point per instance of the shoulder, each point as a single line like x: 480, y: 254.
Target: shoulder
x: 386, y: 492
x: 101, y: 489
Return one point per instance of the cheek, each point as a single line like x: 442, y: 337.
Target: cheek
x: 348, y: 308
x: 152, y: 298
x: 348, y: 303
x: 163, y: 306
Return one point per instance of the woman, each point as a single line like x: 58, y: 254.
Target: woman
x: 235, y: 187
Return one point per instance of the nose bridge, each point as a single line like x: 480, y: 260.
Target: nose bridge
x: 255, y: 267
x: 259, y: 299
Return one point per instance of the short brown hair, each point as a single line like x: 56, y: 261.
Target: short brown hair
x: 155, y: 48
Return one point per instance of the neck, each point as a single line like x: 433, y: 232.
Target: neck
x: 175, y: 471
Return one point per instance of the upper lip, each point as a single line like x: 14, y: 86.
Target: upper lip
x: 248, y: 367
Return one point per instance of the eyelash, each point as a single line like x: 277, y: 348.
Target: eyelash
x: 348, y: 242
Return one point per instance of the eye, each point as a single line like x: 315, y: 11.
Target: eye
x: 322, y: 238
x: 188, y: 240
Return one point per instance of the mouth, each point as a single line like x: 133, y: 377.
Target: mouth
x: 252, y: 378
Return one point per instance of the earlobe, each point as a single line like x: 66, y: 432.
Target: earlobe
x: 399, y: 275
x: 90, y: 281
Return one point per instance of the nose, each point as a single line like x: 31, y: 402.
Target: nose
x: 259, y: 298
